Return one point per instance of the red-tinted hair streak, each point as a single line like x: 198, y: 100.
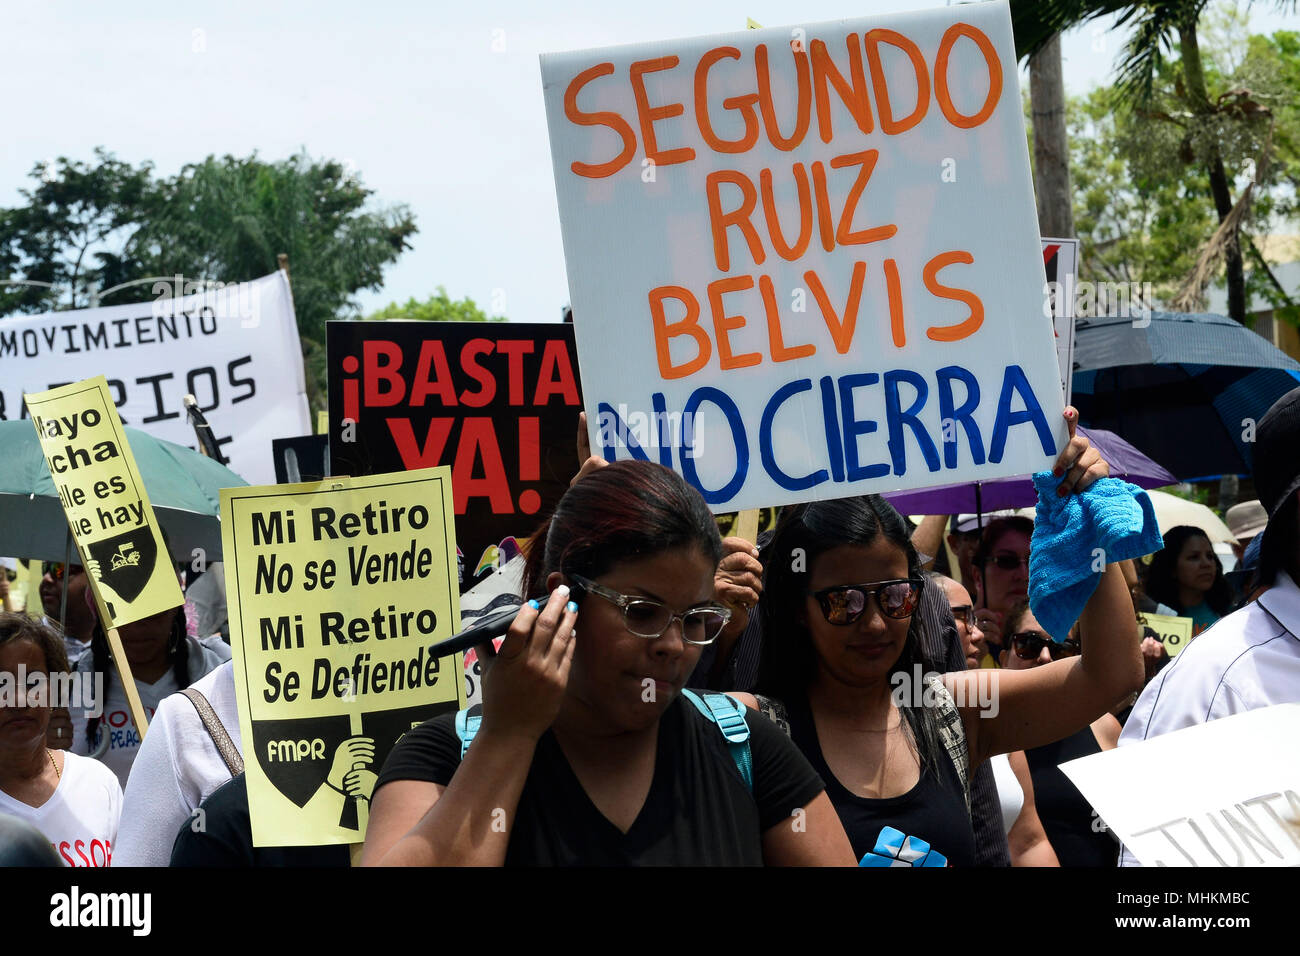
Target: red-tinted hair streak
x: 627, y: 510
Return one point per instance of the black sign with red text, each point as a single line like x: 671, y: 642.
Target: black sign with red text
x: 498, y: 403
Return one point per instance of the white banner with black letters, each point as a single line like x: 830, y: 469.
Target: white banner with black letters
x: 234, y: 348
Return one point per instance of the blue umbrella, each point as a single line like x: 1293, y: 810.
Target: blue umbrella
x: 1186, y: 389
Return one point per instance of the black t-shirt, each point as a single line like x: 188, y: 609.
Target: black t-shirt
x: 896, y: 831
x: 698, y: 811
x: 226, y: 837
x: 1074, y: 831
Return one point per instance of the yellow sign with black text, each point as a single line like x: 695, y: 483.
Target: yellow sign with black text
x: 1174, y: 632
x: 336, y: 592
x: 105, y: 500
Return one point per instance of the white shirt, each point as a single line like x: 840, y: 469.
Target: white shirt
x: 116, y: 723
x: 176, y: 769
x: 80, y: 818
x: 1247, y: 660
x: 1010, y: 794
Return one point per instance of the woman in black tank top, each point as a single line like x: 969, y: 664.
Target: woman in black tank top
x: 892, y: 739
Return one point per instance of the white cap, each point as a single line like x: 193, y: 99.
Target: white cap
x: 969, y: 523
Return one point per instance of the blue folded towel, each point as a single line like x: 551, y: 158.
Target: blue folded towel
x: 1113, y: 516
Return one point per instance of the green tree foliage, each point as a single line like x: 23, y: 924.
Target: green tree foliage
x: 1136, y: 220
x: 1143, y: 204
x: 72, y: 233
x: 1165, y: 76
x: 436, y: 308
x: 227, y: 219
x: 98, y: 232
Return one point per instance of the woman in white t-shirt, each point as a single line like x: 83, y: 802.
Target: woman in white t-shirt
x: 73, y: 801
x: 163, y: 659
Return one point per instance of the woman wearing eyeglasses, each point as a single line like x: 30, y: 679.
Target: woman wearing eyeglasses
x: 587, y: 752
x: 1074, y: 830
x: 845, y: 654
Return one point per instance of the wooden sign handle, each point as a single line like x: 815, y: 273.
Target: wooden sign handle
x: 747, y: 525
x: 128, y: 682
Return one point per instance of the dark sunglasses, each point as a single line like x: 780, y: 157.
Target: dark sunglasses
x: 846, y: 603
x: 1029, y: 644
x: 1008, y: 560
x: 57, y: 569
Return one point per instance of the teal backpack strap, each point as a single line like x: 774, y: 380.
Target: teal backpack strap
x: 466, y: 728
x: 729, y: 716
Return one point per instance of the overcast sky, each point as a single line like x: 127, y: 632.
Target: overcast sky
x: 438, y: 106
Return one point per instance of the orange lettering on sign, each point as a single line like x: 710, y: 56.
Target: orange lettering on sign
x: 606, y: 118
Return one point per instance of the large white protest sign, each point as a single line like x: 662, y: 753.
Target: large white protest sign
x: 235, y: 349
x: 804, y: 262
x: 1225, y: 793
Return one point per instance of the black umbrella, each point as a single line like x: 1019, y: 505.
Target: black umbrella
x: 1186, y: 389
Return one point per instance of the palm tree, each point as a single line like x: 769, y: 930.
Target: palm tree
x: 1051, y: 147
x: 1158, y: 26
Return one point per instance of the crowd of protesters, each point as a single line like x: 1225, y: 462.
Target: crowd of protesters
x: 665, y: 696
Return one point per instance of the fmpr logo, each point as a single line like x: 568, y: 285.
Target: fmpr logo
x: 283, y: 750
x: 77, y: 909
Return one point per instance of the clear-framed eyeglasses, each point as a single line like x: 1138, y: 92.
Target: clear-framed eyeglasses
x: 648, y: 618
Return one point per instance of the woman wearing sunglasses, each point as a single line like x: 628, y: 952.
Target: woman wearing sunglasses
x: 1072, y: 828
x: 587, y: 752
x: 1001, y: 571
x: 844, y: 653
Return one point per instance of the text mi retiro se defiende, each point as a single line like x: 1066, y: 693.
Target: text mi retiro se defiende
x: 364, y: 566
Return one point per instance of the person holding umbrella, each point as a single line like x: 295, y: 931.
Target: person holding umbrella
x: 77, y: 620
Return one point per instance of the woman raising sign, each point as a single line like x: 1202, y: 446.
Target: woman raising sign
x: 844, y: 653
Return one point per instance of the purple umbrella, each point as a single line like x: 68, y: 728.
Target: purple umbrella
x: 978, y: 497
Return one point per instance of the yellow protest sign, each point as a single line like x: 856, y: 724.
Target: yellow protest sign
x: 105, y: 501
x: 336, y: 592
x: 1175, y: 632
